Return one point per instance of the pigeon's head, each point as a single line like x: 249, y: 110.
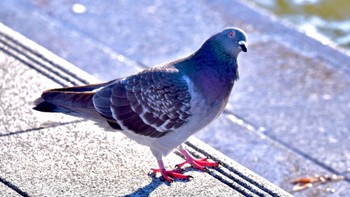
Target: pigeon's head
x: 232, y: 40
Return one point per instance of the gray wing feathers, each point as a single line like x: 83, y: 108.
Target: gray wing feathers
x: 151, y: 103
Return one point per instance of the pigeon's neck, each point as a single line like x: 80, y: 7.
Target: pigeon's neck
x: 212, y: 71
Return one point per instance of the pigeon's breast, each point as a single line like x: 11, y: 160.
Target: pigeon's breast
x: 207, y: 100
x: 214, y: 86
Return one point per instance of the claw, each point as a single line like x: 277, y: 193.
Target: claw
x: 162, y: 178
x: 220, y: 163
x: 177, y: 166
x: 179, y: 169
x: 206, y: 169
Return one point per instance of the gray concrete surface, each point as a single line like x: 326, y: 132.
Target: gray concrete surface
x: 288, y: 116
x: 57, y: 155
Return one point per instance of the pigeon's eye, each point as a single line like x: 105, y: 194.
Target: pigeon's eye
x: 231, y: 34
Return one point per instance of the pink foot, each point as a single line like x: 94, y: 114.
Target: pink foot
x: 170, y: 175
x: 200, y: 164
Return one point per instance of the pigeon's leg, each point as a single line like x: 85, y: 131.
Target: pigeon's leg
x: 200, y: 164
x: 169, y: 175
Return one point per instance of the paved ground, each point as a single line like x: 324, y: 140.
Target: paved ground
x: 287, y: 117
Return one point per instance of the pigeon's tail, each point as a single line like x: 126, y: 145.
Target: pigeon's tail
x: 76, y: 101
x: 44, y: 106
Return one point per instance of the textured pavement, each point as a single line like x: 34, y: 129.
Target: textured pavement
x: 288, y: 116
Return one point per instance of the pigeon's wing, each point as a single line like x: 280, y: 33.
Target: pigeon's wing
x: 151, y: 103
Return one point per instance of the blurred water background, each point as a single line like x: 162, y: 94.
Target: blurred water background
x: 325, y: 20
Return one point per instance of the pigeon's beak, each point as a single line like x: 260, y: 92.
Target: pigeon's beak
x: 243, y: 45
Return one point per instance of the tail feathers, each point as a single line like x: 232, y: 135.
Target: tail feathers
x: 71, y: 103
x: 76, y: 101
x: 44, y: 106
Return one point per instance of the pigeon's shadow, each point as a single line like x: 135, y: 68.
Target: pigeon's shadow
x: 153, y: 185
x: 147, y: 189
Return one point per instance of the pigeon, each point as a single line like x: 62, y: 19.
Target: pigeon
x: 160, y: 107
